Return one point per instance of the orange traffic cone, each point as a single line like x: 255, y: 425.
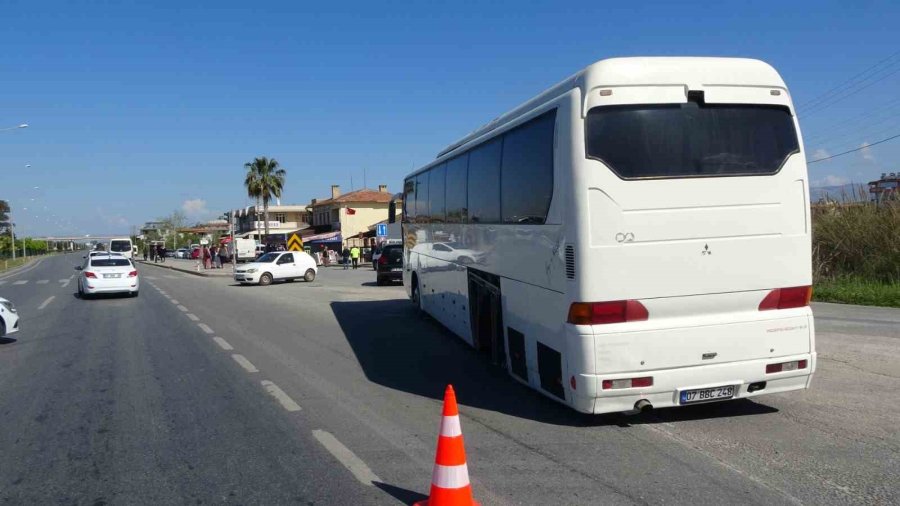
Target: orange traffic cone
x: 450, y: 478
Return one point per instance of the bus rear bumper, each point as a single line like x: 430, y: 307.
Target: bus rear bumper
x: 669, y: 383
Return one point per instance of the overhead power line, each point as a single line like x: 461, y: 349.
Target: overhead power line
x: 840, y: 97
x: 854, y: 150
x: 840, y: 86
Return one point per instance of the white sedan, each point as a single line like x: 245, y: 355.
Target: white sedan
x: 9, y: 318
x: 277, y: 266
x: 108, y: 274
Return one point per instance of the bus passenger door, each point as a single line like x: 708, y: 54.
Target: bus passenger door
x: 486, y: 311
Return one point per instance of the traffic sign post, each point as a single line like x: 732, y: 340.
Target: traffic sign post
x: 295, y: 243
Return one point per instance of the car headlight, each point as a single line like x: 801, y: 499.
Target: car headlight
x: 8, y: 305
x: 250, y: 271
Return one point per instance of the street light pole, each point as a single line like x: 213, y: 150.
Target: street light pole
x: 12, y: 237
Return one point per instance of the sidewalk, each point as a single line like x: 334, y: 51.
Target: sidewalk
x: 190, y: 267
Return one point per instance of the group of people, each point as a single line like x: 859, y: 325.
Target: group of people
x: 156, y: 252
x: 351, y: 255
x: 213, y: 257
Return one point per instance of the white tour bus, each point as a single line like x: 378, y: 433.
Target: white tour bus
x: 636, y: 236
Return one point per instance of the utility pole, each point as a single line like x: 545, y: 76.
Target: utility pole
x: 12, y: 237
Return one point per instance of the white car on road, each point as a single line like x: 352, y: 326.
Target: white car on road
x: 9, y: 318
x: 108, y: 274
x: 277, y: 266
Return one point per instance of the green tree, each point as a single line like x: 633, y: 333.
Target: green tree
x: 4, y: 217
x: 264, y: 180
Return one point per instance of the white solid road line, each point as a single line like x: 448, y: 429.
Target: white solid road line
x: 279, y: 395
x: 48, y: 301
x: 182, y: 308
x: 21, y: 282
x: 243, y: 362
x: 193, y: 317
x: 223, y: 343
x: 43, y: 281
x: 205, y: 328
x: 346, y: 457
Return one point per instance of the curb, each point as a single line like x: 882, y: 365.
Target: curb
x: 194, y: 273
x: 17, y: 270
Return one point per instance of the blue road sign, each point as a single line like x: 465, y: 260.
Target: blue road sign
x: 381, y: 230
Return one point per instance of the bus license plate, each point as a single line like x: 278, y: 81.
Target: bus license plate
x: 707, y: 394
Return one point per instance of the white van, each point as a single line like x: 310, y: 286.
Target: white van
x: 122, y: 246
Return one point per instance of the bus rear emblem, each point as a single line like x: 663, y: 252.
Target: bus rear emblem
x: 706, y: 250
x: 709, y: 356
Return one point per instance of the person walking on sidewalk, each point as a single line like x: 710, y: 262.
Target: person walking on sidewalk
x: 223, y: 256
x: 346, y: 257
x: 354, y: 255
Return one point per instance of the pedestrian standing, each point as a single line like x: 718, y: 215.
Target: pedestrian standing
x: 223, y: 255
x: 354, y: 256
x: 324, y: 256
x: 346, y: 257
x: 205, y: 253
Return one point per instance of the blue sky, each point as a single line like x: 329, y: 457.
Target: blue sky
x: 137, y: 109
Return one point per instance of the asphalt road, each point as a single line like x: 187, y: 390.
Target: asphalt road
x: 128, y: 401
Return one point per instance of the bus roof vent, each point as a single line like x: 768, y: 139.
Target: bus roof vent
x: 570, y: 261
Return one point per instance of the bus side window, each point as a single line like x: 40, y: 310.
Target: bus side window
x: 409, y: 200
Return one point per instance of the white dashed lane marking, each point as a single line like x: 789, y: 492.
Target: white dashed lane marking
x: 173, y: 301
x: 43, y: 281
x: 64, y: 282
x: 346, y: 457
x: 193, y: 317
x: 243, y: 362
x: 223, y: 343
x: 182, y: 308
x: 48, y: 301
x: 279, y: 395
x: 205, y: 328
x: 21, y: 282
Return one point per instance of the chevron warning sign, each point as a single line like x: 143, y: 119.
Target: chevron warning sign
x: 295, y: 243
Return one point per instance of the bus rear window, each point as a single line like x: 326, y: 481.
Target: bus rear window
x: 120, y: 246
x: 691, y: 140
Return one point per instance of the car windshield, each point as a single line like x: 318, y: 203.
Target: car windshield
x: 267, y: 258
x: 120, y: 246
x: 109, y: 262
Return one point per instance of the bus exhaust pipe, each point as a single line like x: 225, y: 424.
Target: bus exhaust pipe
x: 643, y: 406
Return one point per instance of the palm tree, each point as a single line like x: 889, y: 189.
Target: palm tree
x: 264, y: 180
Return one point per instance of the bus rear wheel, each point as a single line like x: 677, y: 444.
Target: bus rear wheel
x: 416, y: 293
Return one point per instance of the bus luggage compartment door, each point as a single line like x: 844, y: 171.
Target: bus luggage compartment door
x: 485, y: 305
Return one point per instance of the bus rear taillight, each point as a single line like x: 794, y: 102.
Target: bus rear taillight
x: 599, y: 313
x: 786, y: 298
x: 786, y: 366
x: 646, y: 381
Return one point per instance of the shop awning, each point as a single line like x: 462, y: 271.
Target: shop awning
x: 320, y: 238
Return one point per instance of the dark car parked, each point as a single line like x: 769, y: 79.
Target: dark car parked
x: 390, y: 264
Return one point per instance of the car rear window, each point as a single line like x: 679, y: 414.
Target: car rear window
x: 691, y: 139
x: 109, y: 262
x: 393, y: 253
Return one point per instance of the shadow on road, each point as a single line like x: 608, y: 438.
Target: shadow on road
x: 401, y: 494
x: 7, y: 340
x: 399, y: 348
